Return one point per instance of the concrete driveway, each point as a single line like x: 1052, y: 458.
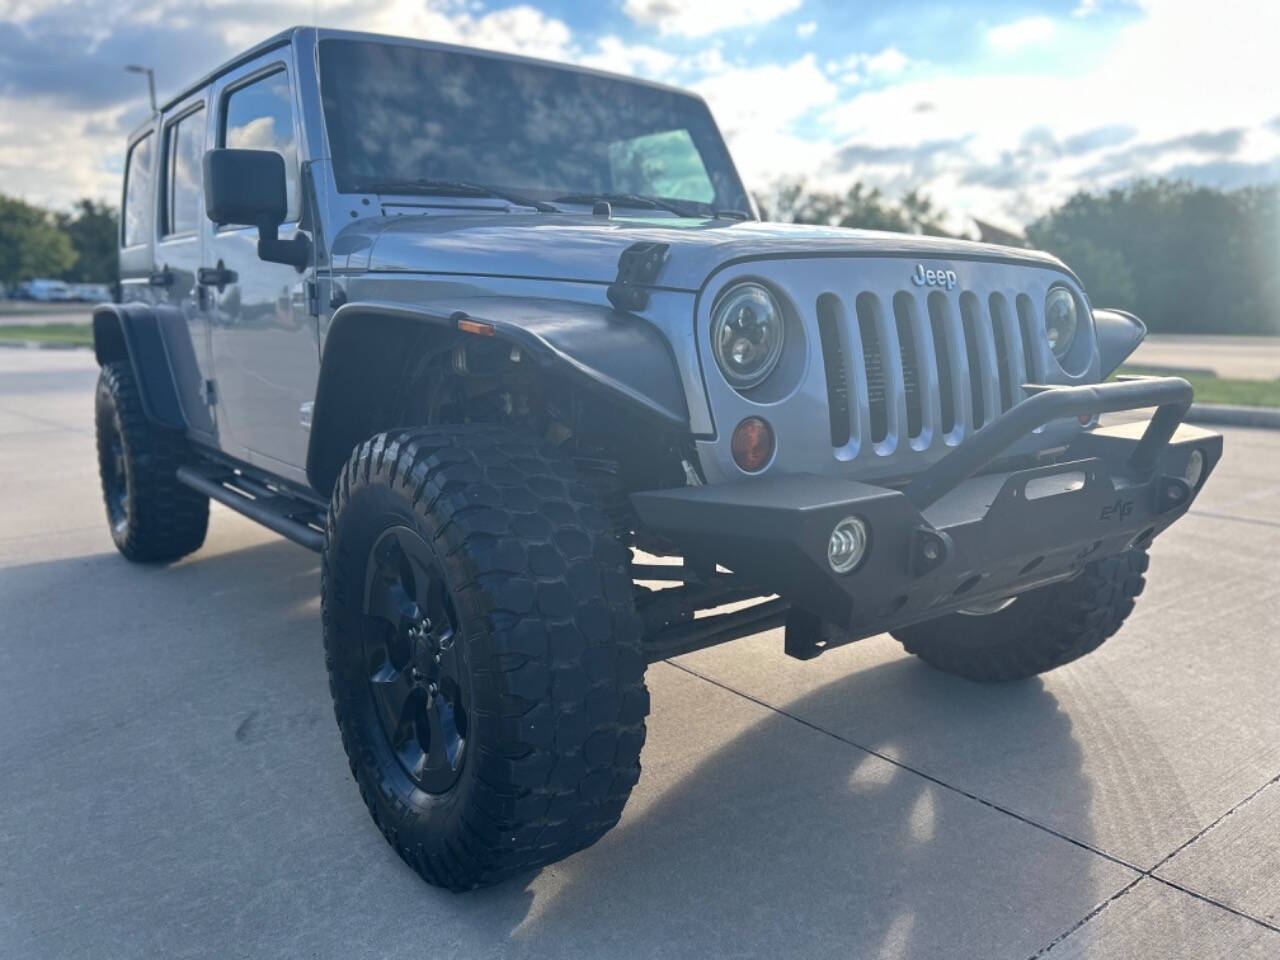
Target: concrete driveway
x: 172, y: 784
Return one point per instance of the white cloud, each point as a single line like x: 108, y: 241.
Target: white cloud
x: 1003, y: 146
x: 1006, y: 130
x: 1027, y: 32
x: 700, y: 19
x: 1087, y: 8
x: 889, y: 62
x: 52, y: 163
x: 806, y: 29
x: 758, y: 109
x: 613, y: 54
x: 520, y: 29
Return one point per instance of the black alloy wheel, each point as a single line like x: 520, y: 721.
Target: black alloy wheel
x: 152, y: 516
x: 115, y: 477
x: 417, y: 677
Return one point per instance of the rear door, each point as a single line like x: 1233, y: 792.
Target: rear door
x: 181, y: 302
x: 266, y: 352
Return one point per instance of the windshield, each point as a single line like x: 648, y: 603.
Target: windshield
x: 397, y: 114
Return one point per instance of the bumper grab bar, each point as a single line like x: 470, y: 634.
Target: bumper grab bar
x: 1171, y: 395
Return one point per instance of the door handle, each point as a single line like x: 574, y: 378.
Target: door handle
x: 218, y: 276
x: 161, y: 278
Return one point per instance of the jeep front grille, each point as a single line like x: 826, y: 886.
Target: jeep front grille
x: 910, y: 369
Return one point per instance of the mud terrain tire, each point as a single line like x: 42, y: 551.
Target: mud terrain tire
x: 152, y: 517
x: 523, y: 651
x: 1040, y: 630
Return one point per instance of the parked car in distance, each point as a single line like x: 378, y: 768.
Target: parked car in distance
x: 44, y: 291
x: 491, y: 334
x: 89, y: 292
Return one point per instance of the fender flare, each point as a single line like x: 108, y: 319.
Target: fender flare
x: 131, y: 331
x: 1119, y: 334
x: 618, y: 354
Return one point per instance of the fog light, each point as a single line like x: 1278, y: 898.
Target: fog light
x: 1195, y: 469
x: 848, y: 544
x: 752, y: 444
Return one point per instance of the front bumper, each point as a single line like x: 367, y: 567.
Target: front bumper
x: 954, y: 536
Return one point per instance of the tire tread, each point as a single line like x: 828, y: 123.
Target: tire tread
x: 543, y: 787
x: 167, y: 520
x: 1044, y: 629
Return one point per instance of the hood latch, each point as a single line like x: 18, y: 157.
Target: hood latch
x: 638, y: 267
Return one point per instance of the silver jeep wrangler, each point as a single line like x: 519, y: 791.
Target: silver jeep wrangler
x: 506, y: 342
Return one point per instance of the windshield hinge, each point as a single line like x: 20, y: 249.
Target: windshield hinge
x: 210, y: 391
x: 638, y: 267
x: 313, y: 298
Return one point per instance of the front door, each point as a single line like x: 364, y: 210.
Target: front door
x: 266, y: 352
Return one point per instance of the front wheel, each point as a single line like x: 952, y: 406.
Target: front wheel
x: 1040, y: 630
x: 483, y: 651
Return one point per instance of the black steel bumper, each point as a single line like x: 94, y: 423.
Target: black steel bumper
x: 955, y: 536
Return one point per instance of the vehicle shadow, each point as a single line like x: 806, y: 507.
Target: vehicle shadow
x: 195, y: 694
x: 765, y: 836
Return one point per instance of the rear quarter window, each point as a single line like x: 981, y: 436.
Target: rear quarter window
x: 136, y: 222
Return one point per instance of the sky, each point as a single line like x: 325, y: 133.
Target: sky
x: 998, y: 109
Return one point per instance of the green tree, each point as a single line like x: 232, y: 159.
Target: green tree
x: 31, y: 245
x: 921, y: 214
x: 1182, y: 257
x: 791, y: 201
x: 94, y: 231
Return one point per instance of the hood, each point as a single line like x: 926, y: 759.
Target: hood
x: 586, y: 248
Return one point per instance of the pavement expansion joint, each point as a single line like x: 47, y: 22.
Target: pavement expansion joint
x: 1226, y: 516
x: 1142, y: 874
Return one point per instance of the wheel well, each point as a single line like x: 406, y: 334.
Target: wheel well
x: 355, y: 395
x: 403, y: 372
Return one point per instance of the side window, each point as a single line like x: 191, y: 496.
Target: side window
x: 183, y: 178
x: 259, y: 116
x: 136, y: 221
x: 665, y: 164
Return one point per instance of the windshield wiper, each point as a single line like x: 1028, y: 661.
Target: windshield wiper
x: 642, y: 201
x: 454, y: 188
x: 681, y: 208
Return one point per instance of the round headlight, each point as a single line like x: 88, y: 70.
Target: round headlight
x: 746, y: 334
x: 1061, y: 319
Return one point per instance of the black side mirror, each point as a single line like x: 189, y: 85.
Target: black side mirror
x: 246, y: 188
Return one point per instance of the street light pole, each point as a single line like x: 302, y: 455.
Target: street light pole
x: 151, y: 82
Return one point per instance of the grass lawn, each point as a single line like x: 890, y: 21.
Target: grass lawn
x: 68, y: 334
x: 1245, y: 393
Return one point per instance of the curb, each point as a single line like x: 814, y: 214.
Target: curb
x: 42, y: 345
x: 1230, y: 415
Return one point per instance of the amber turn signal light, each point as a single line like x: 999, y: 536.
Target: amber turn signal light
x: 752, y: 444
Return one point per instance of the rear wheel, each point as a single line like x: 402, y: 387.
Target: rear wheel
x: 1040, y: 630
x: 152, y: 517
x: 483, y: 651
